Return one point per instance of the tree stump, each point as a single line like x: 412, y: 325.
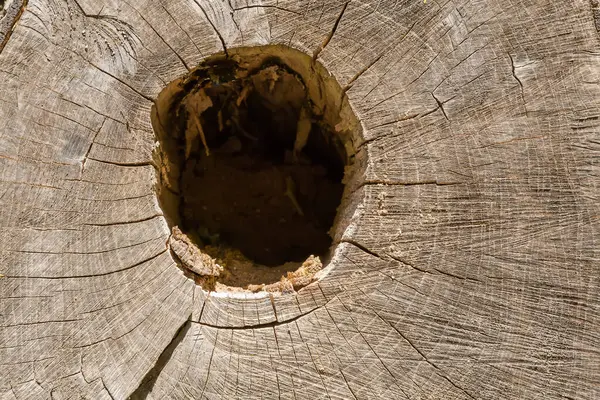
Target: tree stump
x: 466, y: 265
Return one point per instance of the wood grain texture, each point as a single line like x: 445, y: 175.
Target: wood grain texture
x: 469, y: 268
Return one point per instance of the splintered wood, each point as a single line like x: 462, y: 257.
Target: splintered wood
x: 191, y: 257
x: 206, y: 269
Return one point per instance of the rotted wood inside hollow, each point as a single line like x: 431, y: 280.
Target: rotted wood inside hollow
x: 253, y: 152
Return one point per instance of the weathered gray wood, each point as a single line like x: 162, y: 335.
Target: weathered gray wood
x: 469, y: 268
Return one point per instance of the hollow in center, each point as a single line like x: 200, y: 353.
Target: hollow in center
x: 255, y: 171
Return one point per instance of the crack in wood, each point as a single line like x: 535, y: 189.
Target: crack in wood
x: 359, y: 74
x: 440, y: 106
x: 406, y: 118
x: 184, y: 31
x: 273, y: 324
x: 462, y: 278
x: 95, y: 16
x: 135, y: 221
x: 125, y: 164
x: 38, y: 322
x: 328, y: 38
x: 394, y: 279
x: 380, y: 79
x: 106, y: 388
x: 60, y: 115
x: 82, y: 252
x: 375, y: 182
x: 404, y: 262
x: 273, y: 305
x: 147, y: 383
x: 150, y: 99
x: 61, y: 96
x: 161, y: 38
x: 214, y: 28
x: 413, y: 183
x: 264, y: 6
x: 348, y: 384
x: 87, y: 153
x: 514, y: 74
x: 361, y: 247
x: 88, y: 275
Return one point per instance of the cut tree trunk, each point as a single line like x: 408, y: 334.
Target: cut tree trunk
x: 469, y: 268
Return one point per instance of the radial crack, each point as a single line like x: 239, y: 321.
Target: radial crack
x: 361, y: 247
x: 328, y: 38
x: 514, y: 74
x: 149, y: 380
x: 105, y: 388
x: 440, y: 106
x: 214, y: 28
x: 359, y: 74
x: 163, y: 39
x: 87, y: 153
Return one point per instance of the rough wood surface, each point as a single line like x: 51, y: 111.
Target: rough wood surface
x: 469, y: 269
